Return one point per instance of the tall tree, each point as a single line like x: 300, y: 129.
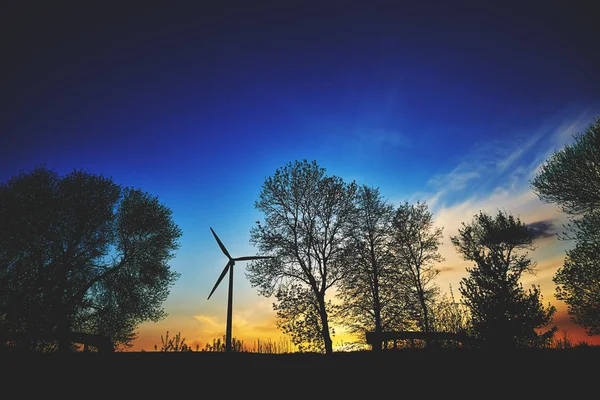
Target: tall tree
x: 298, y: 317
x: 571, y: 179
x: 503, y: 314
x: 81, y: 253
x: 415, y: 245
x: 371, y: 291
x: 578, y: 280
x: 307, y: 219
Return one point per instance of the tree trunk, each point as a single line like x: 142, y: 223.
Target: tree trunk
x: 325, y: 323
x: 377, y: 310
x: 425, y: 317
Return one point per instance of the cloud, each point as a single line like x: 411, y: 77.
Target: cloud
x: 503, y: 166
x: 496, y: 176
x: 515, y: 154
x: 208, y: 320
x: 456, y: 179
x: 543, y: 229
x: 562, y: 133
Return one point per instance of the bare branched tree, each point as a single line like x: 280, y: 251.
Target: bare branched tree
x: 307, y: 229
x: 415, y: 246
x: 372, y: 290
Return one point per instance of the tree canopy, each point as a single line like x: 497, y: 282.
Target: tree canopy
x: 578, y: 285
x: 503, y: 313
x: 571, y: 179
x: 81, y: 253
x: 307, y: 216
x: 370, y: 292
x: 578, y: 280
x: 415, y: 245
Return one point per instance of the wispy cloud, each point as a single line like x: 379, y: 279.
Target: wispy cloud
x: 562, y: 133
x: 458, y: 178
x: 516, y: 154
x: 209, y: 322
x: 496, y: 176
x: 495, y: 167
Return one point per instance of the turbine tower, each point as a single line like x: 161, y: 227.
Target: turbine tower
x: 229, y: 267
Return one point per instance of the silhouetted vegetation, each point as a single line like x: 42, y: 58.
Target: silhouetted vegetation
x: 369, y: 288
x: 450, y: 315
x: 415, y: 246
x: 260, y: 346
x: 578, y: 280
x: 503, y: 314
x: 80, y: 254
x: 565, y: 342
x: 326, y: 234
x: 83, y: 261
x: 268, y: 346
x: 308, y: 216
x: 174, y: 344
x: 220, y: 345
x: 571, y: 179
x: 388, y: 283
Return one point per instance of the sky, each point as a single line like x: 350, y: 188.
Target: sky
x: 453, y: 103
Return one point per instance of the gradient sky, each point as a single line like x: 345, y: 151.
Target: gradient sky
x: 453, y: 105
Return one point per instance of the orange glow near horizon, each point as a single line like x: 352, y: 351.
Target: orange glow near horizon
x: 254, y: 320
x: 151, y: 336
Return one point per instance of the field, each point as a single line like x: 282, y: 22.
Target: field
x: 354, y: 374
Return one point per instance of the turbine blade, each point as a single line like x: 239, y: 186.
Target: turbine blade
x: 220, y: 244
x: 246, y: 258
x: 220, y: 279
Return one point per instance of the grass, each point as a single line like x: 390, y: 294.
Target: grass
x: 565, y: 371
x: 415, y: 373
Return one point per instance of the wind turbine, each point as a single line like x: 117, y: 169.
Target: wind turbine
x: 229, y: 267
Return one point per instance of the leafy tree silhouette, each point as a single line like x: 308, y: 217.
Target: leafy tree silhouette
x: 306, y: 226
x: 503, y: 314
x: 578, y: 280
x: 79, y: 253
x: 571, y: 179
x: 415, y: 245
x: 369, y: 290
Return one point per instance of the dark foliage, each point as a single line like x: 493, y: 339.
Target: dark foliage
x: 571, y: 179
x: 504, y: 315
x: 307, y: 219
x: 79, y: 253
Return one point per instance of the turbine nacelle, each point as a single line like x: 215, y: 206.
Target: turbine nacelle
x: 231, y: 261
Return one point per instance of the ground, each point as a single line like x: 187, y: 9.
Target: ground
x: 355, y: 374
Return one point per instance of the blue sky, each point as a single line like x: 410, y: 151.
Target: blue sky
x: 454, y: 105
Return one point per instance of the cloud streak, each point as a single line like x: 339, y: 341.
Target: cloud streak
x: 492, y: 168
x: 496, y: 176
x: 543, y: 229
